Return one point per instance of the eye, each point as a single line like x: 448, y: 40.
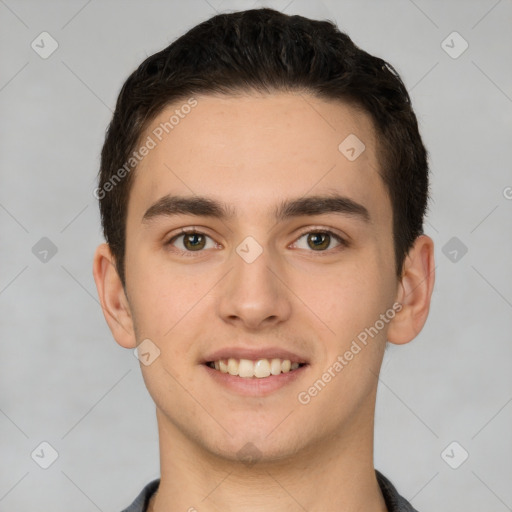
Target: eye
x: 319, y: 240
x: 191, y: 241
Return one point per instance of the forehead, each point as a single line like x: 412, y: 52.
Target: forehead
x: 251, y: 150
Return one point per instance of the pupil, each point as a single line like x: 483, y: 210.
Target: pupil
x: 194, y: 240
x: 319, y: 239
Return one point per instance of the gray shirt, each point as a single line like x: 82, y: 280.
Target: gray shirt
x: 394, y: 502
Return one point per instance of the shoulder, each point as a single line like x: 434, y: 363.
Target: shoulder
x: 394, y: 502
x: 141, y: 501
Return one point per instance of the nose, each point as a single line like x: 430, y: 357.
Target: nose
x: 253, y: 294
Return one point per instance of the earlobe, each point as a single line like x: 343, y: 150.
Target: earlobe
x: 414, y: 292
x: 113, y: 300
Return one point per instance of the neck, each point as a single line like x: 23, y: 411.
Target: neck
x: 335, y: 475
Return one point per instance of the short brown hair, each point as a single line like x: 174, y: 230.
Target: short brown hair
x: 265, y: 50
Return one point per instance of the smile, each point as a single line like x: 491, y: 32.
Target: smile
x: 259, y: 369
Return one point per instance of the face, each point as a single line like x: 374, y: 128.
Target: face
x: 263, y: 273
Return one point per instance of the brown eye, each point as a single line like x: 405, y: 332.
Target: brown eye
x: 194, y: 241
x: 191, y: 241
x: 319, y: 241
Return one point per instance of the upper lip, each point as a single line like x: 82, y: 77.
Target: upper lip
x: 253, y: 354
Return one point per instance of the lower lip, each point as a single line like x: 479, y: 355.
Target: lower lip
x: 254, y: 386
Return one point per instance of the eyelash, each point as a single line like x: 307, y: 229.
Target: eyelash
x: 187, y: 231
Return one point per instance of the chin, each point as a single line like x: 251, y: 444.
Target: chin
x: 252, y: 446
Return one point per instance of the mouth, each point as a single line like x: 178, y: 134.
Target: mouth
x: 254, y: 368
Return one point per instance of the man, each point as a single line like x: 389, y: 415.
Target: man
x: 262, y: 191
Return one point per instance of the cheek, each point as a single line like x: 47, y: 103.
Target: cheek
x: 161, y: 297
x: 344, y: 298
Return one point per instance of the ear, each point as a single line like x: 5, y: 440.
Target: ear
x: 113, y: 300
x: 414, y: 292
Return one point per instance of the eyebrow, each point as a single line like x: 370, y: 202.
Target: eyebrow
x: 170, y: 205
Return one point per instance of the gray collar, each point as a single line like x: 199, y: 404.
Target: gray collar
x: 394, y: 502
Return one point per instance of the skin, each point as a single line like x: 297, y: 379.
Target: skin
x: 252, y: 152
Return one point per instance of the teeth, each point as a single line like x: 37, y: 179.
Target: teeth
x: 275, y: 366
x: 260, y: 368
x: 245, y: 368
x: 232, y: 366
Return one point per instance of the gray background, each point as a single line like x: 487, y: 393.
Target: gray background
x: 63, y: 378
